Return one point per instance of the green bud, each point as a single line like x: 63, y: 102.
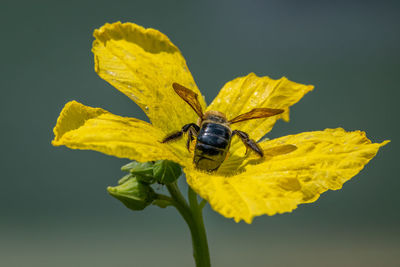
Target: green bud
x: 134, y: 194
x: 166, y: 172
x: 143, y: 171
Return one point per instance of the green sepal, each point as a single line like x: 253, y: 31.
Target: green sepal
x: 134, y: 194
x: 162, y: 203
x: 166, y: 171
x: 124, y: 179
x: 143, y: 171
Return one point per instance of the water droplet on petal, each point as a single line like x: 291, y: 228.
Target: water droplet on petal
x: 111, y: 73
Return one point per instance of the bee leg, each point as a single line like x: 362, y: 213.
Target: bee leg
x: 192, y: 131
x: 177, y: 135
x: 189, y: 140
x: 249, y: 143
x: 172, y: 137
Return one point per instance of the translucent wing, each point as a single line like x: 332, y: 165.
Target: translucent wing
x: 190, y: 97
x: 257, y: 113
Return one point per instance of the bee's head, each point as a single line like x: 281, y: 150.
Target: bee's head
x: 215, y: 116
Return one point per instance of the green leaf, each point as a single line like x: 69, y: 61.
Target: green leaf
x: 166, y: 172
x: 134, y: 194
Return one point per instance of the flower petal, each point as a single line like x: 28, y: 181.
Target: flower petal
x: 296, y: 169
x: 143, y: 64
x: 245, y: 93
x: 82, y: 127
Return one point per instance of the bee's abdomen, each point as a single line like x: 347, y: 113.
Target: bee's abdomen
x: 212, y: 146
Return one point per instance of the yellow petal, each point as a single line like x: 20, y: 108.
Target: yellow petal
x: 143, y: 64
x: 296, y: 169
x: 245, y: 93
x: 82, y: 127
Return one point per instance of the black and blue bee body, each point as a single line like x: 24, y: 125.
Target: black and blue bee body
x: 212, y: 145
x: 213, y: 131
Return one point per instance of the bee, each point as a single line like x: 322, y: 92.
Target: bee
x: 213, y: 132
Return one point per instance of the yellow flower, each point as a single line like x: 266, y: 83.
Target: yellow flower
x: 143, y: 64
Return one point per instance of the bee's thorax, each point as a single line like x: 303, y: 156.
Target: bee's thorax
x: 215, y: 116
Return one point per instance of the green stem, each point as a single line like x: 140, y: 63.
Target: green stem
x: 198, y: 215
x: 192, y: 214
x: 202, y: 204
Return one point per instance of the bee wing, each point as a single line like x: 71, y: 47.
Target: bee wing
x: 190, y: 97
x: 256, y: 114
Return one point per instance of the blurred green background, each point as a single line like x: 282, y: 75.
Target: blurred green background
x: 55, y: 210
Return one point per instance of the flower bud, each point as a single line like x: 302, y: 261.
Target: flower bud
x: 134, y: 194
x: 143, y: 171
